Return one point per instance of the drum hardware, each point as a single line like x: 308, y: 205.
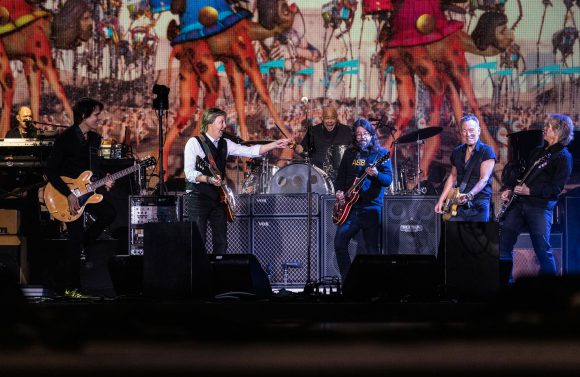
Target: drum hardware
x: 293, y: 179
x: 417, y: 136
x: 332, y: 160
x: 260, y: 173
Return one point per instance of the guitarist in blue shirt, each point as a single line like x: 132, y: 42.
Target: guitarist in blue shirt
x: 365, y: 213
x: 538, y: 194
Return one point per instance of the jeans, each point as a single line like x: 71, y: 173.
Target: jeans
x: 478, y: 211
x: 538, y: 221
x: 367, y: 219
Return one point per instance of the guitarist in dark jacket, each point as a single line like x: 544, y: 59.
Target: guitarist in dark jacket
x: 365, y: 213
x: 203, y: 199
x: 536, y: 197
x: 74, y: 151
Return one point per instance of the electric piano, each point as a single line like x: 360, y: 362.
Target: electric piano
x: 24, y: 153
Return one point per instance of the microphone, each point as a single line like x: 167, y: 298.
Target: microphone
x: 232, y: 137
x: 304, y: 100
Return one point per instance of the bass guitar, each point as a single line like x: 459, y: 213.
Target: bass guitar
x: 342, y: 207
x: 538, y: 164
x: 84, y: 190
x: 451, y: 203
x: 227, y: 197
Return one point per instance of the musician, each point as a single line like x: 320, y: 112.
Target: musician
x: 25, y: 129
x: 365, y: 214
x: 321, y: 137
x: 203, y: 201
x: 472, y: 165
x: 538, y: 194
x: 74, y: 151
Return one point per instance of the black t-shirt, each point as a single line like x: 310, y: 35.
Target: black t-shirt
x: 458, y: 160
x: 322, y: 140
x: 71, y: 155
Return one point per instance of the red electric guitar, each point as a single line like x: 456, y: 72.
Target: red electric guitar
x: 342, y: 208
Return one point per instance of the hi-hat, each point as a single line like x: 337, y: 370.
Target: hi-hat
x: 420, y: 134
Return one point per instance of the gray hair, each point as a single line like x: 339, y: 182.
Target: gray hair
x: 564, y: 126
x: 209, y: 116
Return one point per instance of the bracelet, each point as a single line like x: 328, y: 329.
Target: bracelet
x: 470, y: 196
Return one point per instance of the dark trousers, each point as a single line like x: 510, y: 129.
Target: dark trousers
x: 367, y: 219
x: 80, y: 238
x: 202, y: 209
x: 538, y: 221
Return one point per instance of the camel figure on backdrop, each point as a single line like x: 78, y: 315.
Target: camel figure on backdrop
x: 28, y: 34
x: 423, y: 42
x: 214, y: 30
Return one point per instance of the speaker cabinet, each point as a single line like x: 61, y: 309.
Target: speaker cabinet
x: 238, y: 235
x: 471, y: 260
x: 329, y: 266
x: 284, y: 205
x: 525, y: 260
x: 238, y: 273
x: 410, y: 225
x: 572, y: 262
x: 281, y: 246
x: 392, y: 278
x: 174, y: 261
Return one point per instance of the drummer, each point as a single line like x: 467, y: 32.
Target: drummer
x: 321, y: 137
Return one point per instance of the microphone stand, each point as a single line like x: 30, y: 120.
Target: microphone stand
x: 308, y: 287
x: 161, y: 104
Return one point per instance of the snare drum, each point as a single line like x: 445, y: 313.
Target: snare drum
x: 292, y: 179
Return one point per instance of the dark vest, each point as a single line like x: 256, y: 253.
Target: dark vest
x: 220, y: 155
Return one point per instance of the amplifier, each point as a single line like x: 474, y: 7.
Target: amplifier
x: 281, y: 246
x: 525, y: 260
x: 284, y: 205
x: 150, y: 209
x: 241, y: 208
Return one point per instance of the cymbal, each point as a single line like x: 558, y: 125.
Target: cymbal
x: 420, y: 134
x: 254, y: 142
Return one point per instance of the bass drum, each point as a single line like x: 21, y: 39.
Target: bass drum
x: 292, y: 179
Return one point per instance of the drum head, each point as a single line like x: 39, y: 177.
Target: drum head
x: 292, y: 179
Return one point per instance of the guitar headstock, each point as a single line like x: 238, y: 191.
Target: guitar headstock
x: 148, y: 162
x: 382, y: 159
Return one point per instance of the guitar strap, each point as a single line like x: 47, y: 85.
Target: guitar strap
x: 472, y: 162
x: 201, y: 139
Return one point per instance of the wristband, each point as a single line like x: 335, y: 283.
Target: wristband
x: 470, y: 196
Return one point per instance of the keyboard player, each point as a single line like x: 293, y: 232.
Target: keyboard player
x: 25, y: 128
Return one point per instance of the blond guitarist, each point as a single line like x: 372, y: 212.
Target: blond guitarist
x: 472, y: 165
x: 203, y: 202
x: 75, y: 151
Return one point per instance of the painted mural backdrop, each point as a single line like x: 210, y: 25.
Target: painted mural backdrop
x: 408, y: 63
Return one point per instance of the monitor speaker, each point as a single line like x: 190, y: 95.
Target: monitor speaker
x: 392, y: 278
x: 238, y: 274
x: 175, y: 263
x: 471, y: 260
x: 410, y: 225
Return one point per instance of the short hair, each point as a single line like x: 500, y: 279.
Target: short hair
x: 209, y: 116
x: 564, y: 126
x: 84, y: 108
x: 467, y: 118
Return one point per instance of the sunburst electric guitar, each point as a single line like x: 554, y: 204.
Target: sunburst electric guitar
x: 84, y: 190
x: 342, y: 207
x: 451, y: 203
x: 227, y: 197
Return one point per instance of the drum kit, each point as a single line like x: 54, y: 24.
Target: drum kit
x: 400, y: 175
x: 263, y: 176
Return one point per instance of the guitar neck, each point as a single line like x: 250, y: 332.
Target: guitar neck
x: 95, y: 185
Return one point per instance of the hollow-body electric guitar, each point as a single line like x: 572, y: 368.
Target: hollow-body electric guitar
x: 342, y: 207
x: 227, y: 197
x: 451, y: 203
x: 84, y: 190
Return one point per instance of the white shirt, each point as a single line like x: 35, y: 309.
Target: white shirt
x: 194, y: 149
